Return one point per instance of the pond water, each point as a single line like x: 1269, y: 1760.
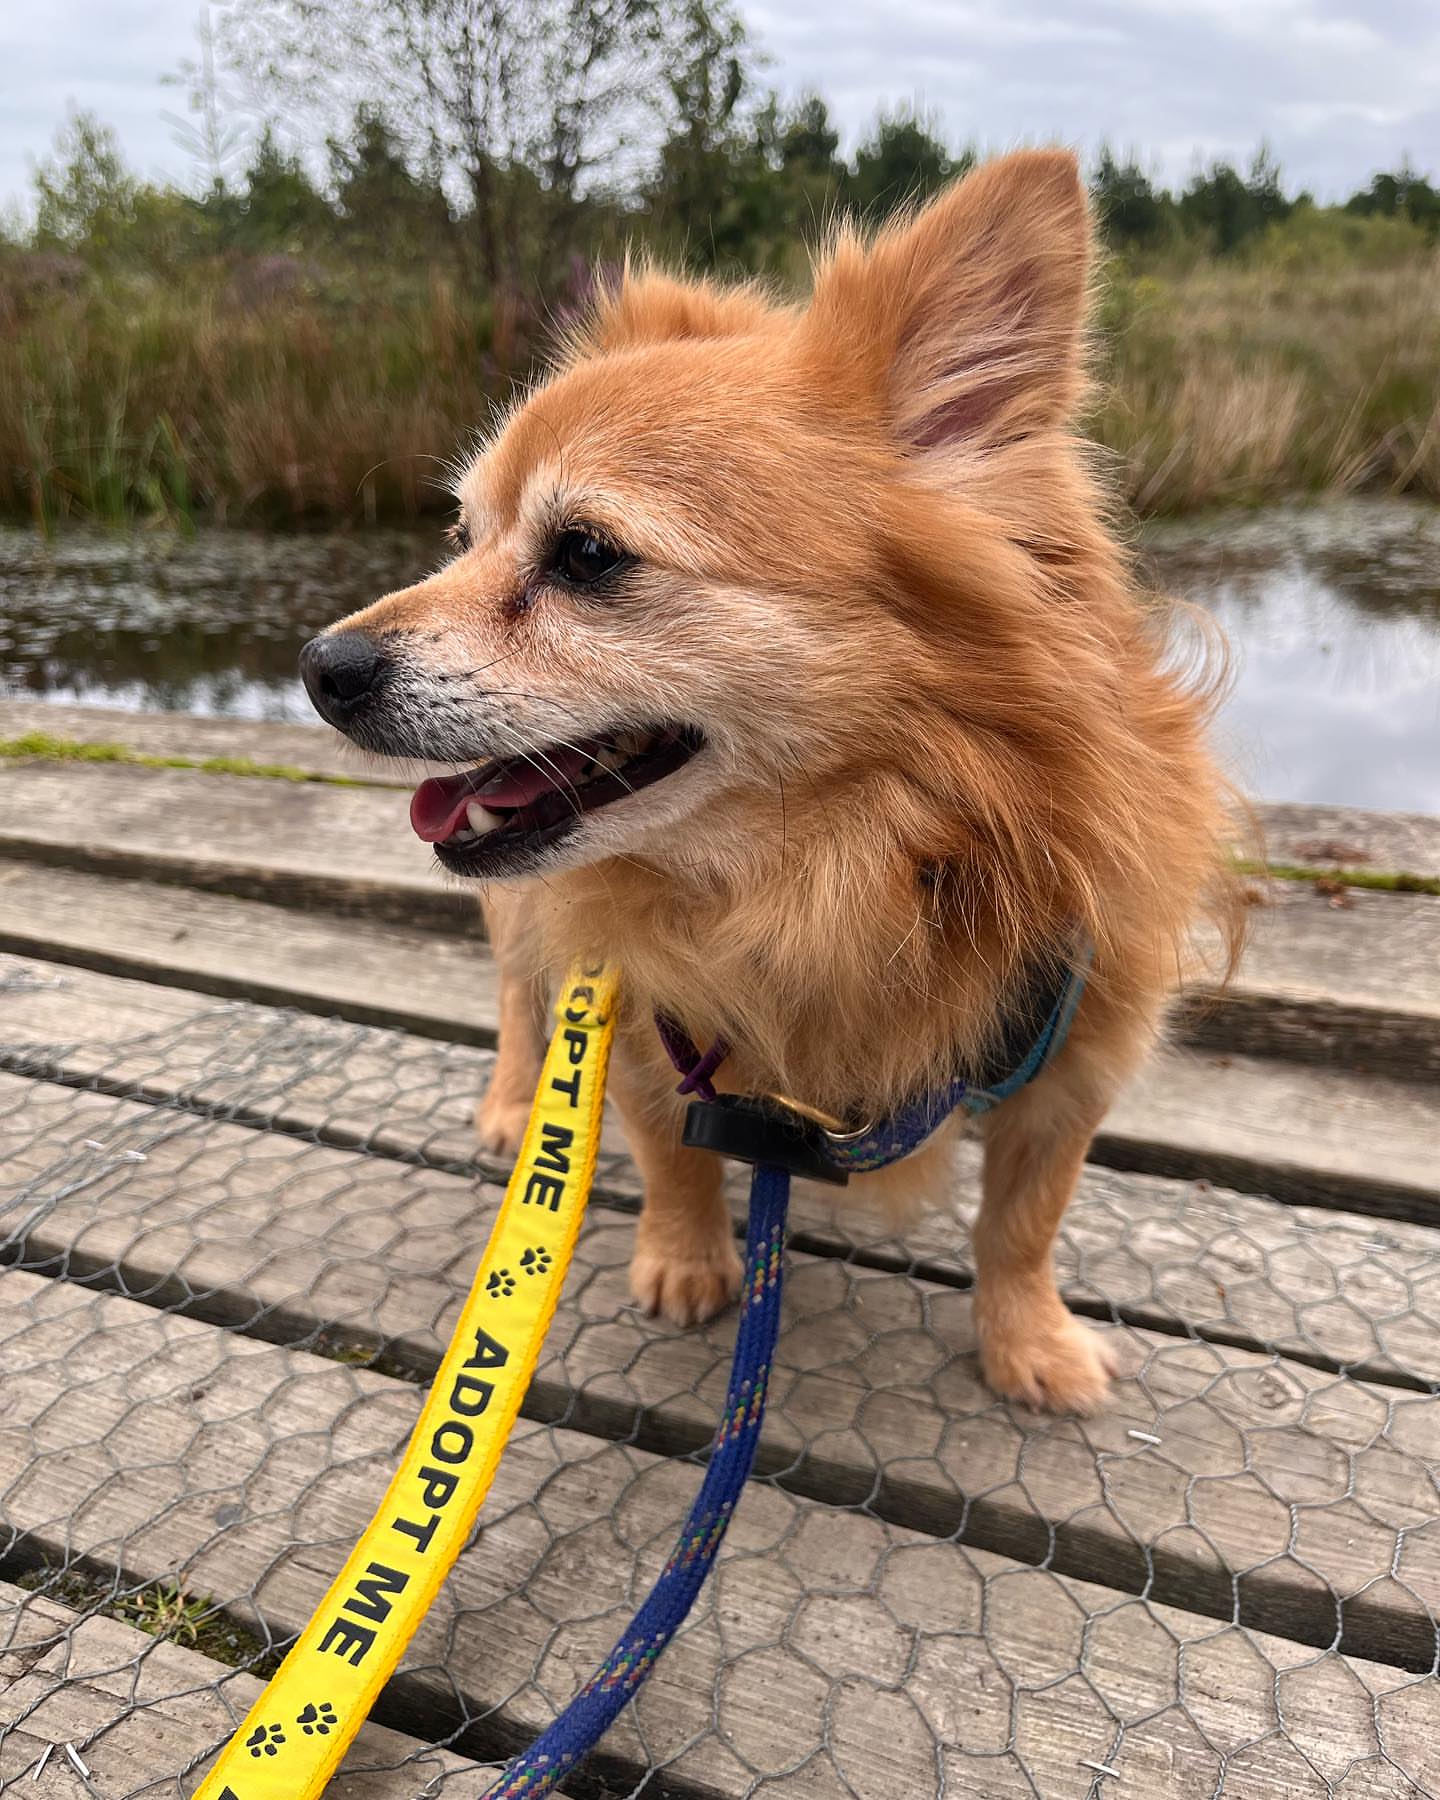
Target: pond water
x: 1333, y: 614
x: 1333, y: 619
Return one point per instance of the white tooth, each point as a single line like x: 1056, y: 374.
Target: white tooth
x: 611, y: 759
x: 480, y: 820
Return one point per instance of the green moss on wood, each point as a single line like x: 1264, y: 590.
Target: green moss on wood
x: 41, y: 746
x: 1376, y: 879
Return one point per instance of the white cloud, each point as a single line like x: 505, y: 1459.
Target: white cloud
x: 1339, y: 87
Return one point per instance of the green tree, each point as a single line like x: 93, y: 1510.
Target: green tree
x: 1227, y: 208
x: 1404, y: 195
x: 1132, y: 210
x: 1216, y: 206
x: 806, y: 138
x: 84, y: 195
x: 280, y: 208
x: 382, y: 203
x: 799, y: 144
x: 700, y: 192
x: 1267, y: 196
x: 515, y: 98
x: 903, y: 159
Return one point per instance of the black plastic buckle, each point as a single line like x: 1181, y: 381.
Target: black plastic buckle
x: 759, y: 1131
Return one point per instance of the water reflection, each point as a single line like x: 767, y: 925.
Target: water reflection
x: 210, y: 624
x: 1334, y: 614
x: 1334, y: 617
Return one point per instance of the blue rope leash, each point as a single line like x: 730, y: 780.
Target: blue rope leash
x: 538, y: 1770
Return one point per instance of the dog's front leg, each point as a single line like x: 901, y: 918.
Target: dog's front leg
x: 1031, y: 1348
x: 504, y: 1108
x: 685, y: 1266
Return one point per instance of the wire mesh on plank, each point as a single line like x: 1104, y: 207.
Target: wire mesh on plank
x: 235, y: 1243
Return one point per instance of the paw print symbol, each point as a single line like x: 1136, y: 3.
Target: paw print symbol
x: 535, y: 1262
x: 500, y: 1282
x: 318, y: 1721
x: 265, y: 1740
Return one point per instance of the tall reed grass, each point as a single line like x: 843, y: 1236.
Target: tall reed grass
x: 277, y: 391
x: 1228, y: 384
x: 133, y: 397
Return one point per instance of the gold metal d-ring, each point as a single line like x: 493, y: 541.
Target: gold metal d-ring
x: 837, y: 1130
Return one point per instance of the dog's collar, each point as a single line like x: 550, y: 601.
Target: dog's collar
x: 774, y: 1128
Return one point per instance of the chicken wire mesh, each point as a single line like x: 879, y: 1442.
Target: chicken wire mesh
x: 234, y: 1241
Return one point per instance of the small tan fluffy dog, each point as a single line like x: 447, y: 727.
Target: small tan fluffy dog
x: 793, y: 670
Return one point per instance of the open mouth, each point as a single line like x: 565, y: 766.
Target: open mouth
x: 493, y: 819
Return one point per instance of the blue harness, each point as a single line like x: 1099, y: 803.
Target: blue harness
x: 779, y: 1143
x: 772, y: 1129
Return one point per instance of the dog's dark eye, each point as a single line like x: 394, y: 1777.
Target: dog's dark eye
x: 459, y: 536
x: 584, y: 557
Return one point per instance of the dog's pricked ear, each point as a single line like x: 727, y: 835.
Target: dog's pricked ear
x: 969, y: 316
x: 647, y: 307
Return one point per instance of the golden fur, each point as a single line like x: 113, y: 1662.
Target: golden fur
x: 942, y: 729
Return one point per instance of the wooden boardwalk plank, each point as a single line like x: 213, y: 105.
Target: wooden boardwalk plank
x: 441, y: 984
x: 1315, y: 1136
x: 1322, y: 1287
x: 311, y: 747
x: 1327, y: 837
x: 833, y: 1653
x: 876, y: 1395
x: 302, y: 843
x: 1302, y: 1135
x: 1347, y: 986
x: 1307, y: 1281
x: 140, y: 1711
x: 1320, y: 836
x: 1358, y: 984
x: 1317, y: 986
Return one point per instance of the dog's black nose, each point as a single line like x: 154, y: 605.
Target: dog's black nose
x: 340, y: 670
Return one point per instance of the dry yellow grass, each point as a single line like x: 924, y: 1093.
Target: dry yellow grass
x: 316, y: 396
x: 1229, y: 384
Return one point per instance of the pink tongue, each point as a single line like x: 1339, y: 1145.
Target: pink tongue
x: 518, y: 783
x: 437, y: 807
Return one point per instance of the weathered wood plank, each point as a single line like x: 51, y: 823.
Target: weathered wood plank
x: 147, y: 1716
x: 1359, y: 984
x: 1311, y: 1282
x: 1315, y: 1136
x: 875, y: 1396
x: 300, y: 843
x: 1348, y: 985
x: 1328, y: 837
x: 1318, y: 836
x: 1320, y: 1286
x: 832, y: 1653
x: 1306, y: 1281
x: 1317, y: 1285
x: 1295, y: 1133
x: 441, y: 984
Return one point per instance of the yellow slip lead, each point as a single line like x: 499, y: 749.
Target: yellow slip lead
x: 294, y: 1736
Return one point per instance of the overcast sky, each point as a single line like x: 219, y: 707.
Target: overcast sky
x: 1339, y: 87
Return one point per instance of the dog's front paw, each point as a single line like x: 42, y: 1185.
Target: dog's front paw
x: 687, y: 1291
x: 1058, y: 1366
x: 500, y: 1123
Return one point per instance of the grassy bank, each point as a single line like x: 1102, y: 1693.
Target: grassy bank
x: 212, y: 395
x: 1233, y: 384
x: 275, y: 390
